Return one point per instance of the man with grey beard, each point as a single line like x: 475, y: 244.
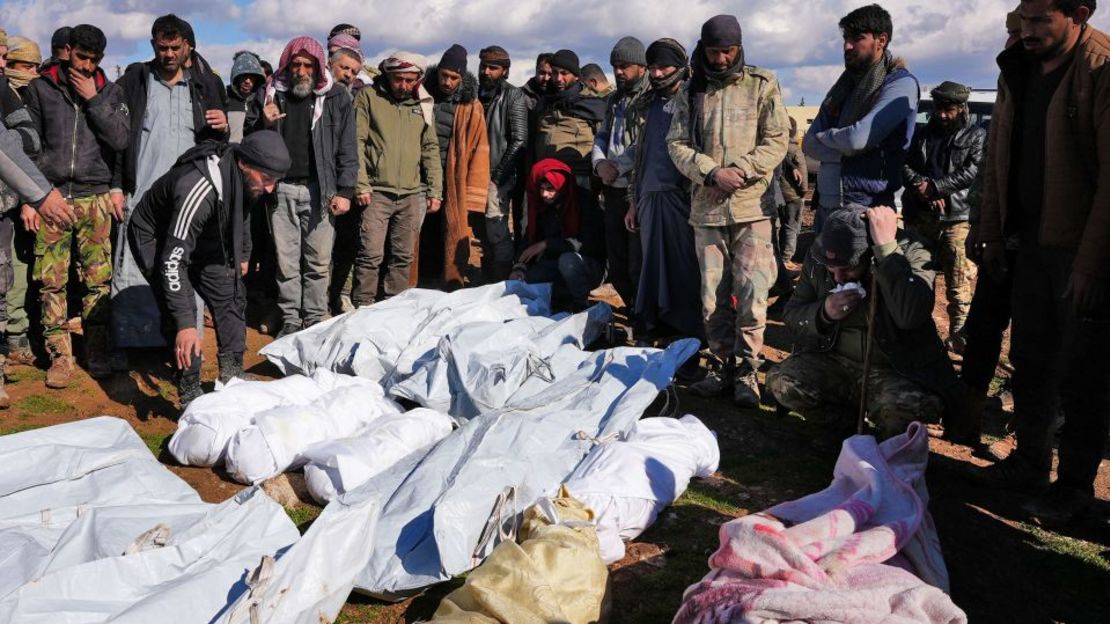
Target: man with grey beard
x: 313, y: 114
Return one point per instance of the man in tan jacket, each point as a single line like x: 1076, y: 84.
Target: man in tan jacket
x: 729, y: 132
x: 1047, y: 188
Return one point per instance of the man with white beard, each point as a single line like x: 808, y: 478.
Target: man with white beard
x: 312, y: 112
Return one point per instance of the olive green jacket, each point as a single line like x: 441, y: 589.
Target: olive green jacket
x: 398, y: 152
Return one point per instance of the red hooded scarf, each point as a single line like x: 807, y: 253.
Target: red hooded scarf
x: 558, y: 175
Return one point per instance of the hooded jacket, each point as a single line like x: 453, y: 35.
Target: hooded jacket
x: 80, y: 139
x: 566, y: 125
x: 962, y: 156
x: 466, y: 172
x: 741, y: 122
x: 333, y: 120
x: 238, y: 105
x: 206, y: 90
x: 507, y: 123
x: 193, y: 217
x: 1076, y: 204
x: 397, y: 147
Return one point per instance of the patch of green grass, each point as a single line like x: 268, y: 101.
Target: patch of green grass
x: 704, y: 497
x: 26, y: 374
x: 17, y: 429
x: 43, y: 404
x: 1060, y: 544
x: 155, y: 441
x: 303, y: 515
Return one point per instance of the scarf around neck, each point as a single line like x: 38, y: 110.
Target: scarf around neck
x: 851, y: 97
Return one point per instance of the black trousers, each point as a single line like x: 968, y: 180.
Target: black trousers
x: 622, y: 247
x: 986, y: 323
x: 1059, y: 357
x: 222, y: 291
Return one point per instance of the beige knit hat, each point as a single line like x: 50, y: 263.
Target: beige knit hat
x: 23, y: 49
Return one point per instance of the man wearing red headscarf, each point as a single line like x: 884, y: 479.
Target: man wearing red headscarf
x: 305, y: 105
x: 565, y: 239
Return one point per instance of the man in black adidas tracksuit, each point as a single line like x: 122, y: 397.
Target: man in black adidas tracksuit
x: 190, y: 234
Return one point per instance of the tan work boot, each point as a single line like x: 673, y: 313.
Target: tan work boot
x: 61, y: 361
x: 96, y: 352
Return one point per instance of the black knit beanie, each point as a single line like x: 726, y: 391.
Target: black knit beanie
x: 566, y: 60
x: 454, y: 59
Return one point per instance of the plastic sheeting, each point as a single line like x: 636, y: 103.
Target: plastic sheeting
x: 276, y: 438
x: 479, y: 367
x: 391, y: 337
x: 93, y: 528
x: 553, y: 575
x: 628, y: 482
x: 210, y: 422
x: 442, y: 513
x: 337, y: 466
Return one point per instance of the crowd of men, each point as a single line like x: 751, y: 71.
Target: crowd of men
x: 330, y: 183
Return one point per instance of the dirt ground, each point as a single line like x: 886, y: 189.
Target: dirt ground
x: 1002, y: 568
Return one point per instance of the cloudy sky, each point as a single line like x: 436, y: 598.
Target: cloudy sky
x: 941, y: 40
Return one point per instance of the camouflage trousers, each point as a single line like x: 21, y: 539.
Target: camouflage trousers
x: 93, y: 230
x: 946, y: 241
x: 737, y: 271
x: 827, y: 387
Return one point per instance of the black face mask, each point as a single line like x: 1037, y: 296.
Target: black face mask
x: 664, y: 84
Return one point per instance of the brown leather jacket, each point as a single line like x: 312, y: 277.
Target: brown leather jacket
x: 1076, y: 213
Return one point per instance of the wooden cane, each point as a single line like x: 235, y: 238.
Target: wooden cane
x: 872, y: 311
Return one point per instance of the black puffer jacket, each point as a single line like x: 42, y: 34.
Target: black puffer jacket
x: 206, y: 90
x: 80, y: 140
x: 507, y: 121
x: 962, y: 158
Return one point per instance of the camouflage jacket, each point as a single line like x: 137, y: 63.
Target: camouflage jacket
x: 905, y: 332
x: 743, y: 124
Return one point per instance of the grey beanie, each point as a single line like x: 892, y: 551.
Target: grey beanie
x: 628, y: 51
x: 844, y: 238
x: 246, y: 63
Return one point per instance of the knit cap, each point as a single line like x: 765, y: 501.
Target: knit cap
x: 628, y: 51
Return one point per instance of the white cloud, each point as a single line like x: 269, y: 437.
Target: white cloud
x: 943, y: 39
